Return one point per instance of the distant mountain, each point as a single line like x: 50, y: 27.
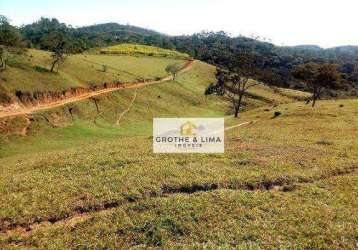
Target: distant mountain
x: 115, y: 27
x: 340, y: 51
x: 113, y: 33
x: 99, y: 35
x: 307, y: 47
x: 348, y: 50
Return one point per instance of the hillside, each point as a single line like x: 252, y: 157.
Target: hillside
x: 142, y: 50
x: 67, y: 176
x: 81, y: 173
x: 115, y: 136
x: 83, y: 74
x: 29, y: 74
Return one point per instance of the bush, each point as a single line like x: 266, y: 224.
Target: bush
x: 41, y: 69
x: 277, y: 114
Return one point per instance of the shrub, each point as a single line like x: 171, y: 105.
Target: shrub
x: 277, y: 114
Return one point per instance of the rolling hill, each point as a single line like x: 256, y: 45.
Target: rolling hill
x: 83, y: 175
x: 29, y: 74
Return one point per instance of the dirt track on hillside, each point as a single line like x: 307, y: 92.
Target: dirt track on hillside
x: 30, y: 110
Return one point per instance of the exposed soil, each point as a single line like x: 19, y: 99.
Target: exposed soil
x: 49, y: 100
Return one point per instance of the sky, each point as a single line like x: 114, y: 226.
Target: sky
x: 326, y: 23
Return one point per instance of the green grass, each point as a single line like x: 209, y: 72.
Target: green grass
x: 142, y: 50
x: 30, y: 72
x: 276, y: 186
x: 56, y: 184
x: 183, y: 97
x: 276, y: 95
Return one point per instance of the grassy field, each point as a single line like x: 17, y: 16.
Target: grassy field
x: 142, y: 50
x: 180, y: 98
x: 30, y: 72
x: 81, y: 181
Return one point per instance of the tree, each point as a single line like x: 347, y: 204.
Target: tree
x: 9, y: 35
x: 57, y: 42
x: 318, y: 77
x: 3, y: 58
x: 173, y: 69
x: 58, y: 56
x: 231, y: 85
x: 237, y: 79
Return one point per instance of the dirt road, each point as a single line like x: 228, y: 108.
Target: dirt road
x: 20, y: 110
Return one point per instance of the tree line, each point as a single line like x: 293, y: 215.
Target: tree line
x: 237, y: 58
x: 217, y: 48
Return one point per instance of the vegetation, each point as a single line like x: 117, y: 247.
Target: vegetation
x: 318, y: 77
x: 10, y: 38
x: 29, y: 72
x: 83, y: 175
x: 267, y: 191
x: 235, y: 82
x: 9, y: 35
x: 231, y: 85
x: 3, y: 58
x: 142, y: 50
x: 277, y: 63
x: 47, y: 34
x: 173, y: 69
x: 58, y: 51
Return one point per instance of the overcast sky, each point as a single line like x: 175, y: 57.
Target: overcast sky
x: 286, y: 22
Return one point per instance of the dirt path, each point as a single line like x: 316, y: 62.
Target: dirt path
x: 239, y: 125
x: 120, y: 117
x: 45, y: 106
